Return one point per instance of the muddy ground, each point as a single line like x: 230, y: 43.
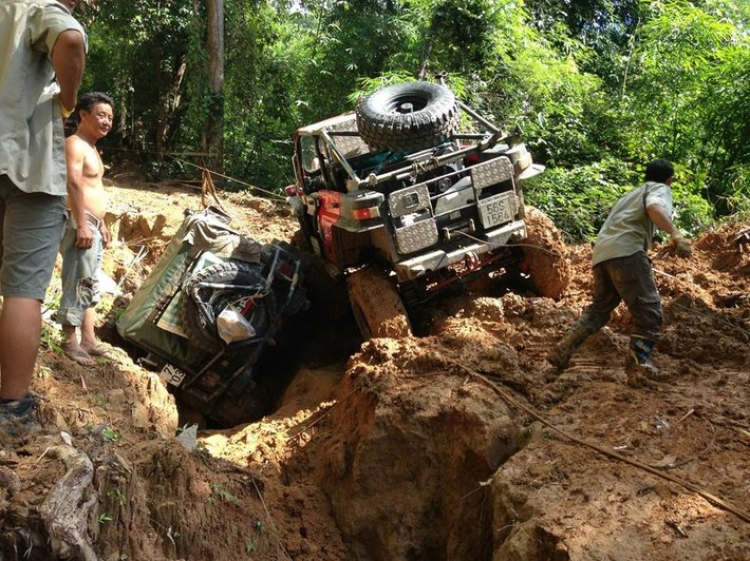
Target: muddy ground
x: 461, y: 445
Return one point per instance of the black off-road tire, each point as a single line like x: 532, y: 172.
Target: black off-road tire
x: 407, y: 117
x: 376, y: 305
x: 200, y: 328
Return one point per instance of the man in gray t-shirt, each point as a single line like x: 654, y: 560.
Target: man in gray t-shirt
x: 622, y: 271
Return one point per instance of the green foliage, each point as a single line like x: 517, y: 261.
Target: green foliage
x: 116, y: 495
x: 98, y: 401
x: 51, y: 339
x: 592, y: 85
x: 579, y: 199
x: 219, y: 490
x: 685, y: 99
x: 724, y: 152
x: 693, y: 213
x: 111, y: 434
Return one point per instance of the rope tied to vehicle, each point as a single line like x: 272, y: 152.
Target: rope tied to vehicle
x: 421, y: 167
x: 204, y: 169
x: 209, y: 189
x: 496, y: 245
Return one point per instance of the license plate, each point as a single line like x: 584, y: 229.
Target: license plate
x: 496, y: 210
x: 172, y: 375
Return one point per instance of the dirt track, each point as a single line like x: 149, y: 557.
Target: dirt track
x: 404, y: 448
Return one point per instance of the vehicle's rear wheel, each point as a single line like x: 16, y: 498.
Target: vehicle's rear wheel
x: 544, y: 255
x: 376, y: 305
x: 407, y: 117
x: 211, y: 290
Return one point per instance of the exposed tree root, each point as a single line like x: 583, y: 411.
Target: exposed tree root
x: 66, y: 509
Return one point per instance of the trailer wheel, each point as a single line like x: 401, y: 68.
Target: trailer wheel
x: 544, y: 255
x: 407, y: 117
x: 209, y: 291
x: 376, y: 305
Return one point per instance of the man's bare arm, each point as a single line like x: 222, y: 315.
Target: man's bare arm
x: 69, y: 61
x: 75, y: 155
x: 659, y: 216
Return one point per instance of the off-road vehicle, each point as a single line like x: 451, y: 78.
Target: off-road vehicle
x: 411, y: 193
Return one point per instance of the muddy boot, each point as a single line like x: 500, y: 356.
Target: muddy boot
x: 639, y: 366
x: 559, y: 357
x: 18, y: 421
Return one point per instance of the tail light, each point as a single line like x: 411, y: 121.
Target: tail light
x: 365, y: 213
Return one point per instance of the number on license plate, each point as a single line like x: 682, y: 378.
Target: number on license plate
x: 173, y: 375
x: 496, y: 210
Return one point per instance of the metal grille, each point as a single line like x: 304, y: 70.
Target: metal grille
x: 409, y: 200
x: 491, y: 173
x: 416, y: 236
x: 349, y: 146
x: 416, y: 228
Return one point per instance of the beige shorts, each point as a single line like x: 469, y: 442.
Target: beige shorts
x: 31, y: 227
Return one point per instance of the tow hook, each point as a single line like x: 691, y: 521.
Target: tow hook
x: 471, y: 260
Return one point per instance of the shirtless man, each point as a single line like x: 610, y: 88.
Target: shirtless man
x: 86, y: 234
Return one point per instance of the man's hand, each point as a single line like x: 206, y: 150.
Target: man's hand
x: 106, y: 235
x: 681, y: 246
x: 84, y: 236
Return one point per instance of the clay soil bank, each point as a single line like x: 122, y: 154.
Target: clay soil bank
x: 413, y: 448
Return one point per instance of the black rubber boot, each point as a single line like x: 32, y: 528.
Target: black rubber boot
x: 639, y: 362
x: 559, y: 357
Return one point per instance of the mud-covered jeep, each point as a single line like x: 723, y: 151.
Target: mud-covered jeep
x: 409, y: 194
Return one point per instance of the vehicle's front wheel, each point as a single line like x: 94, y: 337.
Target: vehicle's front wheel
x: 376, y: 305
x: 544, y: 255
x: 407, y: 117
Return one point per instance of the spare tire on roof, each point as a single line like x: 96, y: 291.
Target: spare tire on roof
x: 407, y: 117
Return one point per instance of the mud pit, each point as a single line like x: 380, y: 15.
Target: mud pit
x: 403, y: 448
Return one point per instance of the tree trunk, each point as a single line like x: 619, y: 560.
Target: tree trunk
x: 215, y: 118
x: 162, y: 110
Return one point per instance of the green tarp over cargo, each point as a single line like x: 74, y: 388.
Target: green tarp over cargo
x: 152, y: 320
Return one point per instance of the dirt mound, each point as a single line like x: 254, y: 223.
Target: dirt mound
x: 410, y: 447
x: 544, y: 255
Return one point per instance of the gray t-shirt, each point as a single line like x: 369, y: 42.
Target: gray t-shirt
x: 628, y: 229
x: 32, y: 137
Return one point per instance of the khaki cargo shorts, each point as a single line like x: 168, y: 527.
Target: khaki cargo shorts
x: 31, y: 227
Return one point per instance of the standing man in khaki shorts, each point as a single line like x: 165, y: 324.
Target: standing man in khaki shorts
x: 86, y: 235
x: 42, y: 57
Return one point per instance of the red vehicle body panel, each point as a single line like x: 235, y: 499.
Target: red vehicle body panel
x: 328, y: 215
